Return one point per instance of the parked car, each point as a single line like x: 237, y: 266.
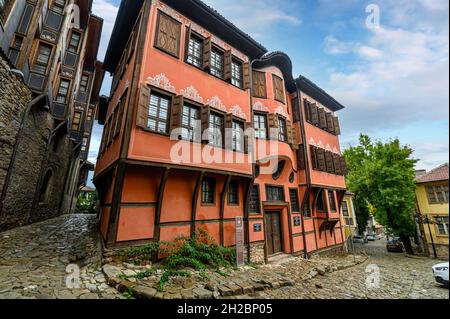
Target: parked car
x: 358, y: 239
x: 371, y: 237
x: 394, y: 246
x: 440, y: 272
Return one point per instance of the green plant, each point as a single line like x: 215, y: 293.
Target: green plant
x: 137, y: 255
x: 128, y: 294
x: 87, y: 203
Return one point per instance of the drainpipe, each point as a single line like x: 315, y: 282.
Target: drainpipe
x: 19, y: 136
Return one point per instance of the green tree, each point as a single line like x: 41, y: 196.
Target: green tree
x: 87, y: 204
x: 382, y: 176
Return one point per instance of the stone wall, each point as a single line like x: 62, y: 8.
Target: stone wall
x: 38, y: 152
x: 441, y: 250
x: 257, y: 253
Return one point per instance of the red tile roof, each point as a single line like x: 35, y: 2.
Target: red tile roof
x: 440, y: 173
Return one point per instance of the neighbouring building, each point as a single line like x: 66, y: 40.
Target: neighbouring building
x: 180, y: 69
x: 50, y: 82
x: 432, y: 210
x: 349, y: 215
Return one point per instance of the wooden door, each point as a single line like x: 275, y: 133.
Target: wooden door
x: 273, y: 232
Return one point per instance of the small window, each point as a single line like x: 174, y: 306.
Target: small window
x: 74, y: 42
x: 216, y: 129
x: 320, y: 206
x: 260, y: 125
x: 238, y: 136
x: 254, y: 201
x: 208, y: 191
x: 236, y: 73
x: 58, y: 6
x: 437, y: 194
x: 90, y: 114
x: 76, y: 121
x: 216, y: 63
x: 42, y: 58
x: 282, y: 131
x: 293, y: 196
x: 158, y: 113
x: 84, y: 83
x: 191, y: 116
x: 274, y: 193
x: 84, y: 144
x: 63, y: 91
x: 345, y: 211
x: 233, y: 193
x: 442, y: 225
x: 195, y: 51
x: 332, y: 201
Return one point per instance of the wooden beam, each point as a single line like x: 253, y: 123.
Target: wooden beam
x: 162, y: 186
x: 222, y: 205
x: 246, y: 213
x: 291, y: 239
x: 115, y: 205
x: 198, y: 184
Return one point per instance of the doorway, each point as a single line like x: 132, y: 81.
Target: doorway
x: 273, y: 232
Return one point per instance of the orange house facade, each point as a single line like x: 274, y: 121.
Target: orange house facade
x: 203, y: 125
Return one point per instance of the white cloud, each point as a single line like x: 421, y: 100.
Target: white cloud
x: 334, y: 46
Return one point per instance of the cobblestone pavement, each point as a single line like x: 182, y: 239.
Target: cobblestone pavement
x: 401, y: 277
x: 33, y: 260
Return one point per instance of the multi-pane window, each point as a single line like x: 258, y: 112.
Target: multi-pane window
x: 332, y: 201
x: 233, y: 193
x: 208, y: 190
x: 274, y: 193
x: 215, y: 129
x: 254, y: 206
x: 74, y: 42
x: 442, y: 224
x: 345, y: 211
x: 90, y: 114
x: 195, y: 51
x: 84, y: 144
x: 158, y: 113
x: 42, y: 58
x: 5, y: 8
x: 76, y: 121
x: 282, y: 131
x: 191, y: 116
x: 238, y: 136
x: 437, y: 194
x: 216, y: 63
x: 321, y: 202
x: 84, y: 83
x: 63, y: 91
x: 58, y: 6
x: 293, y: 196
x: 236, y: 73
x: 260, y: 126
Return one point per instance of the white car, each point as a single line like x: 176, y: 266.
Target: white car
x: 440, y: 272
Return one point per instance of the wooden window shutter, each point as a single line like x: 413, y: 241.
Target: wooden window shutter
x: 322, y: 119
x: 289, y: 131
x: 259, y: 84
x: 207, y: 48
x: 273, y: 124
x: 321, y: 159
x: 187, y: 39
x: 343, y: 166
x: 314, y: 110
x: 204, y: 116
x: 307, y: 107
x: 168, y: 34
x: 295, y: 110
x: 294, y: 140
x: 314, y: 160
x: 246, y: 75
x: 337, y: 128
x: 143, y: 104
x: 227, y: 63
x: 301, y: 158
x: 176, y: 115
x: 330, y: 122
x: 337, y: 164
x: 329, y: 161
x: 278, y: 88
x: 228, y: 125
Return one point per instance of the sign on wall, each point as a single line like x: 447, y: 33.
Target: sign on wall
x: 239, y: 241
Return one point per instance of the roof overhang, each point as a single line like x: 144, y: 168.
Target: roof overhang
x: 93, y: 42
x: 282, y: 61
x: 102, y: 109
x: 98, y: 80
x: 308, y: 87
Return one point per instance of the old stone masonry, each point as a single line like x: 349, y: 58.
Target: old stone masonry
x: 60, y: 258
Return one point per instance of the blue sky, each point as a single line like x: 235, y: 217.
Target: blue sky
x: 392, y: 79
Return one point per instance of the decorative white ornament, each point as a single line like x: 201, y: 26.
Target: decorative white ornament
x: 328, y: 148
x: 320, y: 144
x: 336, y: 151
x: 237, y: 111
x: 312, y: 142
x: 162, y: 82
x: 280, y: 110
x: 191, y: 93
x: 216, y: 103
x: 258, y: 106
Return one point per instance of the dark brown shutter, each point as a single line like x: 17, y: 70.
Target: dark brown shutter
x: 228, y: 125
x: 314, y: 159
x: 337, y: 164
x: 321, y: 159
x: 248, y: 145
x: 322, y: 119
x: 186, y: 42
x: 120, y: 118
x: 246, y: 75
x: 330, y: 122
x: 289, y: 131
x: 294, y: 140
x: 168, y: 34
x: 301, y: 158
x: 337, y: 128
x: 343, y: 166
x: 259, y: 84
x: 307, y: 108
x: 295, y: 110
x: 278, y: 88
x: 204, y: 116
x: 314, y: 110
x: 143, y: 104
x: 273, y: 124
x: 207, y: 48
x: 329, y: 161
x: 176, y: 115
x: 227, y: 63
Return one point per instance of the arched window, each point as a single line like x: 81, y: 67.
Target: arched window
x: 45, y: 188
x: 279, y: 170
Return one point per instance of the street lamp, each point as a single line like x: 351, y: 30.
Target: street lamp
x: 428, y: 221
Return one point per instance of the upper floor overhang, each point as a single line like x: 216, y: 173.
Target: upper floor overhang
x: 282, y: 61
x: 93, y: 42
x: 308, y: 87
x: 98, y: 80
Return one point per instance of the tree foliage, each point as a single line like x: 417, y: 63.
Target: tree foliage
x: 382, y: 177
x: 87, y: 204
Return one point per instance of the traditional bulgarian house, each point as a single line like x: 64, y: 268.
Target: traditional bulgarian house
x: 203, y: 125
x: 52, y: 46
